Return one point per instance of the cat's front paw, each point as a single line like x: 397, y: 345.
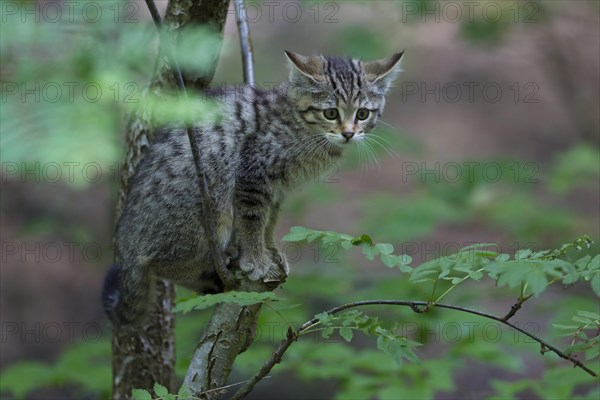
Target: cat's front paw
x: 257, y: 267
x: 282, y: 268
x: 272, y: 266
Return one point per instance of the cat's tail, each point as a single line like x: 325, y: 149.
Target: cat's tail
x: 125, y: 295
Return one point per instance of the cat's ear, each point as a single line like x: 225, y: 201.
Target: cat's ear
x: 383, y: 72
x: 310, y: 67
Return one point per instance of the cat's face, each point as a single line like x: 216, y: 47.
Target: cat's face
x: 341, y: 98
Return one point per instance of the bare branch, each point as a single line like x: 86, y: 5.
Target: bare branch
x: 417, y: 306
x: 245, y: 42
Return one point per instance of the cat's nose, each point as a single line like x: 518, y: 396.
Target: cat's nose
x: 347, y: 135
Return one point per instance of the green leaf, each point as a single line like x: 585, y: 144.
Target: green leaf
x: 535, y: 273
x: 347, y: 334
x: 370, y: 252
x: 392, y: 260
x: 184, y: 392
x: 141, y: 394
x: 503, y: 257
x: 325, y: 318
x: 595, y: 282
x: 592, y: 353
x: 594, y: 264
x: 571, y: 278
x: 561, y: 326
x: 385, y: 248
x: 297, y: 234
x: 241, y: 298
x: 522, y: 254
x: 346, y: 244
x: 388, y: 260
x: 475, y: 275
x: 160, y: 390
x: 362, y: 239
x: 576, y: 348
x: 588, y: 314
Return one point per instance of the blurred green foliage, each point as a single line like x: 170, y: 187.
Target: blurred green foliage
x: 484, y: 22
x: 86, y: 366
x: 577, y: 167
x: 362, y: 42
x: 68, y: 105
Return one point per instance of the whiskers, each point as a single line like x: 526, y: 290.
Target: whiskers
x: 384, y: 144
x: 367, y: 156
x: 385, y: 123
x: 310, y: 153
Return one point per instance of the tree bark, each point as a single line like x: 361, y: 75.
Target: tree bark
x: 231, y: 331
x: 142, y: 357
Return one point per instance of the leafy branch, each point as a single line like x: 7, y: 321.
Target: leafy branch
x: 209, y: 300
x: 581, y: 342
x: 531, y: 271
x: 416, y: 306
x: 370, y: 249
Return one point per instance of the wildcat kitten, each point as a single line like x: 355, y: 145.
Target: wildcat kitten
x: 252, y: 153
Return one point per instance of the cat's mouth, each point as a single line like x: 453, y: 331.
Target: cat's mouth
x: 341, y: 141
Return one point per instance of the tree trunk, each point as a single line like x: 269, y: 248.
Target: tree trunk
x: 147, y: 356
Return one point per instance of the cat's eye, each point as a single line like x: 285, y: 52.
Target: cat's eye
x: 331, y: 113
x: 362, y: 114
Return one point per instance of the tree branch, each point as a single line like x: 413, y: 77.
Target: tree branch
x: 417, y: 306
x: 231, y: 328
x: 208, y: 223
x: 245, y: 42
x: 142, y: 357
x: 211, y: 14
x: 516, y: 307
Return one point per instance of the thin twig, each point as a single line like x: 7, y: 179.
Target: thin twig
x: 207, y: 205
x: 245, y: 42
x: 516, y: 307
x: 292, y: 336
x: 417, y: 306
x: 223, y: 388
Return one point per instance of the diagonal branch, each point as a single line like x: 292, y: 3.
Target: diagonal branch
x: 417, y: 306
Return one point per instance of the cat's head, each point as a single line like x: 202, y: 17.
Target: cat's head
x: 341, y: 98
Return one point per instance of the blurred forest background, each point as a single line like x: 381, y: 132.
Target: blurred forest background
x: 491, y: 135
